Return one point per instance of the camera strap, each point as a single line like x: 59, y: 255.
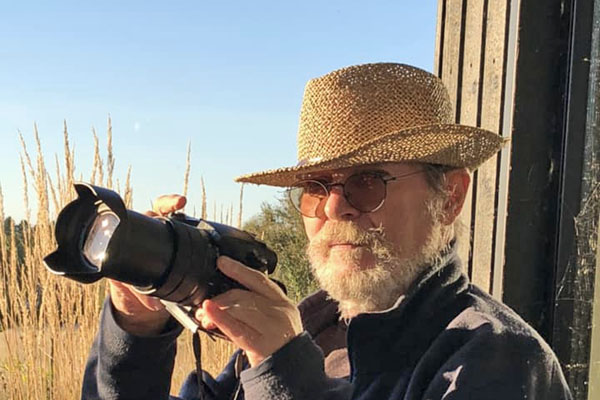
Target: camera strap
x: 197, y: 345
x: 203, y: 389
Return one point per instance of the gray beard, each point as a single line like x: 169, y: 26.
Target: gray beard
x: 375, y: 289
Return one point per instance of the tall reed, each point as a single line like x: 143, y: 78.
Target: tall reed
x: 47, y: 323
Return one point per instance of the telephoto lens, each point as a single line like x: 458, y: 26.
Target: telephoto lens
x: 171, y: 258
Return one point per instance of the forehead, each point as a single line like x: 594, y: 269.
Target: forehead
x: 384, y: 168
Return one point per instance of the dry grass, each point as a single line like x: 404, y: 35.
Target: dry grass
x: 47, y: 323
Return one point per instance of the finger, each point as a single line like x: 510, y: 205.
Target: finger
x: 120, y: 286
x: 241, y: 302
x: 239, y: 333
x: 204, y: 320
x: 253, y: 310
x: 169, y: 203
x: 151, y: 303
x: 240, y: 298
x: 252, y: 279
x: 151, y: 214
x: 208, y: 324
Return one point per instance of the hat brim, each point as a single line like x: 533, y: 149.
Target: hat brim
x: 445, y: 144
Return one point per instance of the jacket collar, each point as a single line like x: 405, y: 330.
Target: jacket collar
x: 403, y: 332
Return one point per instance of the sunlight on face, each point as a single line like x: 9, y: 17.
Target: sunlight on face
x: 342, y: 273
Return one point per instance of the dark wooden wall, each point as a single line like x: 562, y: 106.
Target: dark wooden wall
x: 530, y: 70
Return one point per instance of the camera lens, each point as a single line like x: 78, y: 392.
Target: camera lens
x: 98, y: 237
x: 173, y: 259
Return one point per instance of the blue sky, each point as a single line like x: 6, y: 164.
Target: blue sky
x: 227, y: 76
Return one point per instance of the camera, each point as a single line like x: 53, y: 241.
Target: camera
x: 172, y: 258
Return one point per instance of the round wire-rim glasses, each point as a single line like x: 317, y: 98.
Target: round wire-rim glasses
x: 364, y: 191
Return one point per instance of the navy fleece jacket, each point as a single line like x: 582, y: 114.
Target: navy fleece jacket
x: 446, y: 339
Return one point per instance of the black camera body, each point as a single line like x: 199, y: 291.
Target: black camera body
x: 172, y: 258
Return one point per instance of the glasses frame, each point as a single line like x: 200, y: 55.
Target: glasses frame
x: 327, y: 188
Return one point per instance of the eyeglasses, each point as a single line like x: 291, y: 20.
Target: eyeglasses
x: 365, y: 191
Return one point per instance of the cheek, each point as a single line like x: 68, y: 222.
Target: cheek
x: 405, y: 225
x: 312, y: 226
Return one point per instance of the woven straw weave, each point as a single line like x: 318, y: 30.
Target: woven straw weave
x: 373, y: 113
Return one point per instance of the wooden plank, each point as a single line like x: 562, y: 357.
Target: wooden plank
x: 438, y: 54
x: 471, y: 68
x: 451, y: 74
x: 483, y: 231
x: 469, y: 99
x: 464, y: 219
x: 505, y: 155
x: 537, y: 122
x: 491, y: 117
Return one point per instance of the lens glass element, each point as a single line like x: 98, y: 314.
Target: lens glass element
x: 365, y: 192
x: 98, y: 237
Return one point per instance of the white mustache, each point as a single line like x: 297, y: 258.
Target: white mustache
x: 347, y: 233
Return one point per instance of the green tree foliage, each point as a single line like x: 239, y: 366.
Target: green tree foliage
x: 20, y: 229
x: 280, y: 227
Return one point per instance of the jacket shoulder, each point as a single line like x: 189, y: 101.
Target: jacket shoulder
x: 491, y: 352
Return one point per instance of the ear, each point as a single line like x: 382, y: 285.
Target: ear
x: 457, y: 185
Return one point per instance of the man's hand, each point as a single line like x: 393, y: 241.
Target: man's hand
x: 137, y: 313
x: 259, y: 320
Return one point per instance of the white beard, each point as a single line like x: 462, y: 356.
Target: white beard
x: 374, y: 289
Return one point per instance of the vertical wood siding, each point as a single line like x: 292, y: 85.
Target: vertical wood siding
x: 470, y: 57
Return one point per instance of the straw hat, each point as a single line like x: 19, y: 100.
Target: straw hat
x: 374, y: 113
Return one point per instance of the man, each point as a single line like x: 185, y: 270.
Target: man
x: 381, y: 179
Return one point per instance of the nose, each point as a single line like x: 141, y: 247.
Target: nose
x: 337, y: 208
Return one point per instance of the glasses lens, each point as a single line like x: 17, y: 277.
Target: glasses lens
x: 365, y: 192
x: 306, y: 197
